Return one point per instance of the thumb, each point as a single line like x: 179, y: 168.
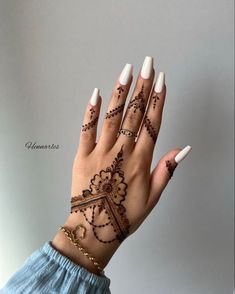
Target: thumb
x: 163, y: 172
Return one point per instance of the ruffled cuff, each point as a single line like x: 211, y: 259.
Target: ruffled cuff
x: 48, y: 271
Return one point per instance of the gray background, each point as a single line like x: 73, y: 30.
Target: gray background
x: 52, y: 55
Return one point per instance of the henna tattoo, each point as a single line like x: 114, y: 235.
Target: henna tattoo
x: 155, y: 99
x: 115, y: 111
x: 150, y: 129
x: 170, y: 168
x: 106, y: 193
x: 92, y: 112
x: 120, y: 90
x: 138, y: 102
x: 89, y: 125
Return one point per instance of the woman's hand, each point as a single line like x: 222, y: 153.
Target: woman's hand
x: 113, y: 189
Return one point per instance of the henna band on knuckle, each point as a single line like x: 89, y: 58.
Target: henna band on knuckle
x: 127, y: 133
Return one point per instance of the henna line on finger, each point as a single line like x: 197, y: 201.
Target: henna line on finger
x: 89, y: 125
x: 150, y: 129
x: 138, y: 102
x: 155, y: 99
x: 115, y: 111
x: 170, y: 168
x: 120, y: 90
x: 92, y: 112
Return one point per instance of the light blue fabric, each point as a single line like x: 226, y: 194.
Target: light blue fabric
x: 46, y: 271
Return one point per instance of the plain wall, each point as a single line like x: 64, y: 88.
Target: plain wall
x: 52, y: 54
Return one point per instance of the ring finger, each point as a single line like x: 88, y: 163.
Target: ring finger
x: 152, y: 119
x: 114, y: 114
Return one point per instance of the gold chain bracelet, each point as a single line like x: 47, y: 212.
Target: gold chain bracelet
x: 71, y: 235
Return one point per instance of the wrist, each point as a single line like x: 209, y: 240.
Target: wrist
x: 100, y: 251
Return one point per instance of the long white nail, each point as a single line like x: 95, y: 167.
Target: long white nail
x: 160, y: 82
x: 94, y: 97
x: 126, y: 74
x: 147, y: 68
x: 182, y: 154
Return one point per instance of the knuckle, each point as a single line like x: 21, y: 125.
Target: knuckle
x: 139, y: 167
x: 139, y: 87
x: 88, y: 135
x: 111, y: 124
x: 131, y: 117
x: 140, y: 82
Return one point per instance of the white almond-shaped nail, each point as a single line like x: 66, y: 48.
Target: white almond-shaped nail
x: 147, y: 68
x: 94, y: 97
x: 182, y: 154
x: 126, y: 74
x: 160, y: 82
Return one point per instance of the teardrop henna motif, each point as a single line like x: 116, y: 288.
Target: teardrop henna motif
x: 155, y: 99
x: 106, y: 194
x: 120, y: 90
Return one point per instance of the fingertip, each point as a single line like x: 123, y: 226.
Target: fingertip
x: 160, y: 83
x: 182, y: 154
x: 95, y: 97
x: 170, y: 155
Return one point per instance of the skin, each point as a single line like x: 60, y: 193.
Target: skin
x: 144, y: 187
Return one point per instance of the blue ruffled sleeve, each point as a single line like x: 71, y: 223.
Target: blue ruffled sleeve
x: 47, y: 271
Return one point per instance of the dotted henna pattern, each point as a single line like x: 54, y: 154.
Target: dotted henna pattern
x: 170, y: 168
x: 89, y: 125
x: 138, y: 102
x: 150, y: 129
x: 92, y: 112
x: 120, y: 91
x: 115, y: 111
x: 106, y: 193
x: 155, y: 99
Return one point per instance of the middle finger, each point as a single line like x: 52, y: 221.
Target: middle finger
x: 136, y: 108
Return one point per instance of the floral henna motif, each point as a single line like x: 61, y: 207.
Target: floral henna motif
x: 155, y: 99
x: 115, y: 111
x: 101, y: 204
x: 138, y: 102
x: 150, y: 129
x: 170, y: 168
x: 89, y: 125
